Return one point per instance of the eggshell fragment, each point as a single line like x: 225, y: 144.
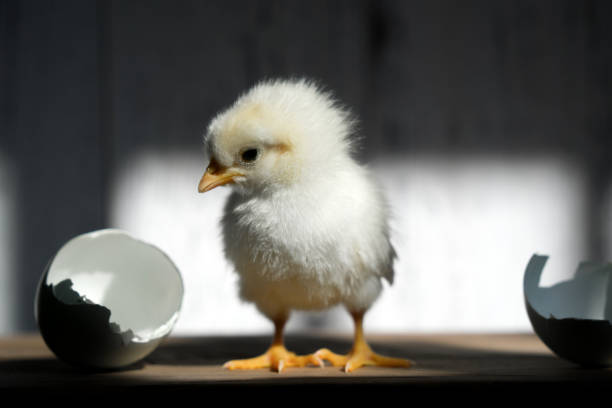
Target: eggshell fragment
x: 573, y: 318
x: 106, y: 300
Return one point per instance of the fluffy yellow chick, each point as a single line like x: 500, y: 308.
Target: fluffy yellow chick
x: 305, y: 226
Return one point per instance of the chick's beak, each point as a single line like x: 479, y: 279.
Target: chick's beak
x: 216, y: 176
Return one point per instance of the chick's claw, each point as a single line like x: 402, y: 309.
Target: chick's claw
x: 277, y: 358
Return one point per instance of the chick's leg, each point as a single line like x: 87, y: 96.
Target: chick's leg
x: 277, y: 357
x: 361, y: 354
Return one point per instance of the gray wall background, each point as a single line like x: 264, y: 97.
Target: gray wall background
x: 86, y: 85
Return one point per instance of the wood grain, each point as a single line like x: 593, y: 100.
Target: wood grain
x: 188, y: 364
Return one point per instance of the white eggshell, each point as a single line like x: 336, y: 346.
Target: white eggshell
x: 573, y: 318
x: 106, y: 300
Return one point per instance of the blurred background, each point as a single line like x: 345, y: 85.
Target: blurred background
x: 489, y: 124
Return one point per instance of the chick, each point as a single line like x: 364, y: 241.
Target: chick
x: 305, y: 226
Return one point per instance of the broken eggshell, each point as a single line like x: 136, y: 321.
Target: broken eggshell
x: 573, y: 318
x: 106, y: 300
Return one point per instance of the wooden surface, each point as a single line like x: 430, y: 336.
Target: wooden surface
x: 189, y: 364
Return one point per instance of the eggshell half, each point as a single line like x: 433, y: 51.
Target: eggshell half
x: 573, y: 318
x: 106, y: 300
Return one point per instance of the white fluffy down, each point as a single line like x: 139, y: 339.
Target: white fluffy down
x: 308, y: 229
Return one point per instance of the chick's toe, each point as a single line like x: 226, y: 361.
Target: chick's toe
x: 361, y: 355
x: 277, y: 358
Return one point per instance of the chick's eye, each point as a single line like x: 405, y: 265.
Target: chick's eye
x: 249, y: 155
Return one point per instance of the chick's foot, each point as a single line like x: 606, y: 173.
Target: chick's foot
x: 361, y: 355
x: 277, y: 358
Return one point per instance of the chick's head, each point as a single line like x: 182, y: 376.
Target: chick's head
x: 277, y: 134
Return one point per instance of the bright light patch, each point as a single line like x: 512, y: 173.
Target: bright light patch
x: 156, y: 199
x: 464, y: 229
x: 8, y: 238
